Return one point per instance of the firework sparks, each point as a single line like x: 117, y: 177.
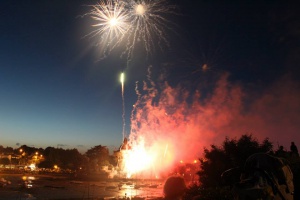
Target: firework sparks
x: 111, y: 20
x: 148, y: 24
x: 127, y: 23
x: 137, y: 158
x: 142, y: 157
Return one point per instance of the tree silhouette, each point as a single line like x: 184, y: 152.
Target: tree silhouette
x: 231, y: 154
x: 98, y: 156
x: 64, y: 158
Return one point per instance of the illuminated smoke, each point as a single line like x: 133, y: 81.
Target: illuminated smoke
x: 170, y: 124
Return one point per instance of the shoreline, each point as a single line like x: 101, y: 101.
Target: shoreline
x: 61, y: 187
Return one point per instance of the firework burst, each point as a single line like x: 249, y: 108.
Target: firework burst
x: 124, y: 24
x: 149, y: 24
x: 111, y: 24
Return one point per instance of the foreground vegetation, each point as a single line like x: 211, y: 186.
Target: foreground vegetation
x: 232, y: 154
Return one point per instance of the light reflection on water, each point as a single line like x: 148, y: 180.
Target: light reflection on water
x: 52, y: 187
x: 142, y: 191
x: 24, y: 178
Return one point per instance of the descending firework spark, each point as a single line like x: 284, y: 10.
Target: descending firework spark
x: 123, y: 104
x: 166, y: 149
x: 122, y: 81
x: 131, y: 22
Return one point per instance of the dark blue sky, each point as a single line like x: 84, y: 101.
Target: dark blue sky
x: 54, y: 91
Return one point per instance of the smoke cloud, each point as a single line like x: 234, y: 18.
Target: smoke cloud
x: 177, y: 124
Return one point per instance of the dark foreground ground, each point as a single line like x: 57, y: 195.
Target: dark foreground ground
x: 52, y: 187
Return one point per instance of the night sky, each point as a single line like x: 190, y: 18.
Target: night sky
x: 55, y: 90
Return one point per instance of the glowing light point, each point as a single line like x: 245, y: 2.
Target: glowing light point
x: 123, y: 104
x: 205, y: 67
x: 140, y: 9
x: 122, y: 78
x: 113, y: 22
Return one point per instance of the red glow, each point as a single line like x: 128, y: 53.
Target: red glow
x: 167, y: 129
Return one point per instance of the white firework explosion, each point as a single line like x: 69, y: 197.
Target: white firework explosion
x: 123, y: 24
